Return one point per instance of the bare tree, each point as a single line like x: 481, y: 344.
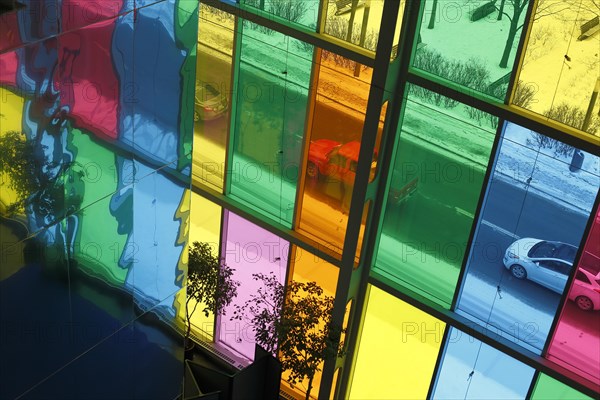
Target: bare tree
x: 433, y: 14
x: 295, y: 324
x: 518, y: 6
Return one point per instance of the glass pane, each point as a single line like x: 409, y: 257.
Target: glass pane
x: 8, y: 73
x: 272, y: 92
x: 471, y: 369
x: 358, y: 21
x: 410, y: 340
x: 549, y: 388
x: 560, y: 75
x: 89, y: 91
x: 213, y: 95
x: 150, y: 117
x: 302, y: 12
x: 451, y: 37
x: 10, y: 137
x: 335, y: 134
x: 307, y: 267
x: 157, y: 237
x: 532, y: 221
x: 99, y: 230
x: 205, y: 227
x: 436, y: 183
x: 576, y: 341
x: 248, y: 249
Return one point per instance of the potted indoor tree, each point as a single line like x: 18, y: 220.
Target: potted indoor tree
x: 209, y: 285
x: 294, y: 324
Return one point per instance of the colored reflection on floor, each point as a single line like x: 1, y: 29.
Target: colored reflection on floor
x: 61, y: 331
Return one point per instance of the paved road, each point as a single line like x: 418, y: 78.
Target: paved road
x: 522, y: 308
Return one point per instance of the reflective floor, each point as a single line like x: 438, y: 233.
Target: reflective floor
x: 64, y: 336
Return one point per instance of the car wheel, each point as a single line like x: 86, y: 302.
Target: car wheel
x: 196, y: 116
x: 518, y: 271
x: 584, y: 303
x: 312, y: 170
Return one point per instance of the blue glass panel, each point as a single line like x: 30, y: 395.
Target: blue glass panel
x: 537, y: 205
x: 149, y: 61
x: 473, y: 370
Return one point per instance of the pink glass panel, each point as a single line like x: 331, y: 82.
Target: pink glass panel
x: 576, y: 341
x: 248, y: 249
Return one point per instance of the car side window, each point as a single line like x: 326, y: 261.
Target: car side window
x: 581, y: 277
x: 555, y: 266
x: 563, y: 268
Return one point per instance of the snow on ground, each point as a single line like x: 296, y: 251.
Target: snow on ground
x: 545, y: 69
x: 509, y: 317
x: 550, y: 174
x: 456, y: 37
x: 274, y: 52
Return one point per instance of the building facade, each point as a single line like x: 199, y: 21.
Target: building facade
x: 432, y: 166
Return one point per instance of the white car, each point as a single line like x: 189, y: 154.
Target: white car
x: 585, y: 291
x: 544, y: 262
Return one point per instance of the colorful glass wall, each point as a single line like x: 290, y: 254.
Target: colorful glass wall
x: 431, y: 167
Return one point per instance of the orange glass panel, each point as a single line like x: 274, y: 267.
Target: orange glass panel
x: 307, y: 267
x: 335, y: 135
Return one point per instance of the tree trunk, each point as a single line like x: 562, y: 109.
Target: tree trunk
x: 351, y: 22
x: 512, y: 32
x: 308, y: 390
x: 501, y: 10
x: 363, y: 33
x: 433, y: 12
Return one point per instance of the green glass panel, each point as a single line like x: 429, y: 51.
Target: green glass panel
x: 472, y: 43
x: 268, y: 126
x: 186, y: 32
x: 549, y: 388
x: 302, y: 12
x: 99, y: 237
x: 436, y: 182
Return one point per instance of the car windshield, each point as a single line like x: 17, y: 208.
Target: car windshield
x: 204, y: 91
x: 544, y: 249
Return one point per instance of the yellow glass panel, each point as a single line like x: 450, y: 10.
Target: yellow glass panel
x: 213, y: 95
x: 205, y: 226
x: 10, y: 120
x: 398, y: 349
x: 358, y: 21
x: 560, y: 72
